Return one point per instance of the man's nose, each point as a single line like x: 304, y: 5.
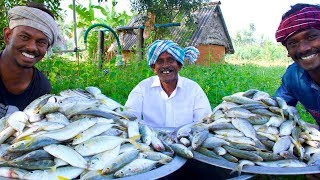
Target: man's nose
x: 31, y: 45
x: 304, y: 46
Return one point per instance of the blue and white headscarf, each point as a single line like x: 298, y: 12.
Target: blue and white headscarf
x: 159, y: 46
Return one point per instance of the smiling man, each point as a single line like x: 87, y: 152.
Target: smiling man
x: 167, y: 99
x: 32, y: 32
x: 299, y: 32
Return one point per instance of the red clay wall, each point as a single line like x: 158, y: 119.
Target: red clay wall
x: 210, y: 53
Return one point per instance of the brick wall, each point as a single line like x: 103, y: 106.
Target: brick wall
x: 210, y: 54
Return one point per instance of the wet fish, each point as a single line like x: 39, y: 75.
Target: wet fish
x: 283, y: 163
x: 67, y: 154
x: 137, y: 166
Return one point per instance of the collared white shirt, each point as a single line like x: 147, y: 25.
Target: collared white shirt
x: 152, y: 106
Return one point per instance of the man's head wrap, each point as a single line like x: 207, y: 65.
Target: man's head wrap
x: 159, y: 46
x: 35, y: 18
x: 306, y: 18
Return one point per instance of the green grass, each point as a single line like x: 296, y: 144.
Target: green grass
x: 217, y: 80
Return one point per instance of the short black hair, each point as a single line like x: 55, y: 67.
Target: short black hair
x: 298, y: 7
x: 40, y: 6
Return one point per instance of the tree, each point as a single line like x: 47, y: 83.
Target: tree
x: 166, y: 11
x: 246, y: 36
x: 5, y: 5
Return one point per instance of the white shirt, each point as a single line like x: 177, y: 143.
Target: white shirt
x: 152, y: 106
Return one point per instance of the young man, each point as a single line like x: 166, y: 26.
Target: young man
x: 299, y: 32
x: 31, y: 33
x: 167, y: 99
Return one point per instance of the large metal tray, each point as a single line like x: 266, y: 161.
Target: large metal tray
x: 257, y: 169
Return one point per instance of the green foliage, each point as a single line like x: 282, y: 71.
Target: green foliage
x: 5, y: 5
x: 248, y: 47
x: 87, y: 16
x: 167, y: 11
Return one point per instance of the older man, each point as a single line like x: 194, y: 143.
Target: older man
x: 31, y: 33
x: 168, y: 100
x: 299, y: 32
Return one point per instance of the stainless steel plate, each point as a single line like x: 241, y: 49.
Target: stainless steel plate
x: 257, y: 169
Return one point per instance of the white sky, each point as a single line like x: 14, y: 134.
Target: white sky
x: 265, y: 14
x: 238, y: 14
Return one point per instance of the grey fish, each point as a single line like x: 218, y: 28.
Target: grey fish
x: 33, y: 165
x: 198, y: 139
x: 240, y: 99
x: 240, y: 165
x: 230, y: 158
x: 282, y: 144
x: 283, y: 163
x: 243, y: 154
x: 31, y: 144
x: 249, y: 93
x: 208, y: 153
x: 212, y: 142
x: 267, y: 156
x: 137, y: 166
x: 258, y: 120
x: 269, y: 102
x: 220, y: 126
x: 120, y: 161
x: 181, y: 150
x: 238, y: 112
x: 33, y: 156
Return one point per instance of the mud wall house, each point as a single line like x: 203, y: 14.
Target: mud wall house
x: 210, y: 36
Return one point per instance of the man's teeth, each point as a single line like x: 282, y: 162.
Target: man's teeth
x: 28, y: 55
x: 165, y: 72
x: 308, y: 57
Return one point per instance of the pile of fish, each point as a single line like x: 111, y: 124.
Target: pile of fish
x: 253, y: 128
x: 78, y: 134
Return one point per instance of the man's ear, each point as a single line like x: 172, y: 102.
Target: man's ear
x: 153, y: 68
x: 7, y: 34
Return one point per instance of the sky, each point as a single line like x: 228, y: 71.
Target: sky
x: 264, y: 14
x: 239, y: 14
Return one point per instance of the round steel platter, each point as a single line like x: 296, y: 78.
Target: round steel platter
x: 257, y: 169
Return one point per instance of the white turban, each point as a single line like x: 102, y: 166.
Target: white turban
x: 35, y: 18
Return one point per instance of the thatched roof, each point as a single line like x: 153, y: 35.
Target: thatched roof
x: 211, y: 29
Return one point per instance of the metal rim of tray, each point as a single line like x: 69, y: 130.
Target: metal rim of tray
x: 258, y: 169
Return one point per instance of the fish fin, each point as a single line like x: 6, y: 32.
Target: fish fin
x: 53, y: 169
x: 260, y: 145
x: 62, y: 178
x: 133, y: 141
x: 237, y: 168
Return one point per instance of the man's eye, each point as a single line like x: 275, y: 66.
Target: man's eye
x: 24, y: 37
x: 312, y: 37
x: 171, y: 60
x: 291, y: 44
x: 43, y: 43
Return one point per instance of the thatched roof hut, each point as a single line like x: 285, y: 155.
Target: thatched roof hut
x: 211, y: 36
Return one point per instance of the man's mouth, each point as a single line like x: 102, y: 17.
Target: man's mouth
x: 28, y: 55
x: 304, y: 58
